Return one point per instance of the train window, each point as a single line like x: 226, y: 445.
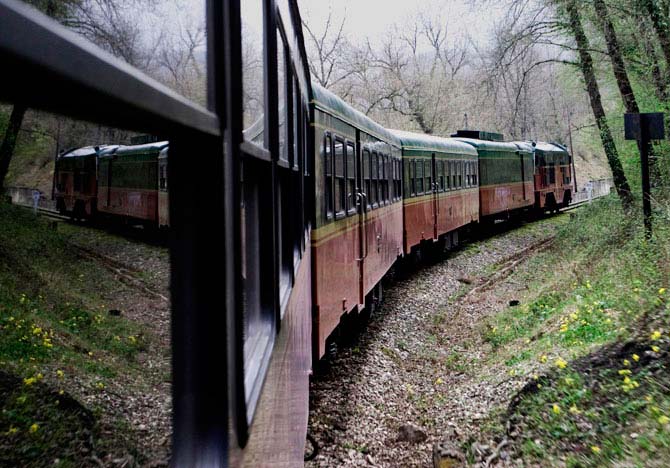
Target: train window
x: 466, y: 165
x: 475, y: 175
x: 428, y: 171
x: 253, y: 72
x: 419, y: 177
x: 374, y: 167
x: 460, y: 174
x: 398, y: 178
x: 328, y: 171
x: 296, y: 126
x: 440, y: 175
x: 282, y: 100
x: 338, y: 156
x: 411, y: 168
x: 385, y: 179
x: 351, y: 178
x: 366, y: 175
x: 552, y: 173
x: 162, y: 180
x: 78, y: 183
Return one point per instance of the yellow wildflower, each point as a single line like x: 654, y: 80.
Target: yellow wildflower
x: 575, y: 410
x: 34, y: 428
x: 60, y: 392
x: 661, y: 291
x: 29, y: 380
x: 556, y: 409
x: 90, y: 353
x: 12, y: 430
x: 100, y: 385
x: 543, y: 358
x: 60, y: 374
x: 635, y: 357
x: 568, y: 381
x: 663, y: 420
x: 626, y: 362
x: 624, y: 372
x: 37, y: 331
x: 133, y: 340
x: 656, y: 335
x: 655, y: 349
x: 439, y: 381
x: 649, y: 398
x: 561, y: 364
x: 626, y: 380
x: 595, y: 449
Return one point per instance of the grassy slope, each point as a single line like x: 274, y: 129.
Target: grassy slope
x: 593, y: 341
x: 59, y: 348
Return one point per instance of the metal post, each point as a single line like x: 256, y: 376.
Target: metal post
x: 643, y: 128
x: 646, y: 186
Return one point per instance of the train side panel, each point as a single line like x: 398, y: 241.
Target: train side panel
x: 278, y: 435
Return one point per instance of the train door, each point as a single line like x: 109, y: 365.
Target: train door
x: 433, y: 189
x: 523, y: 174
x: 363, y: 187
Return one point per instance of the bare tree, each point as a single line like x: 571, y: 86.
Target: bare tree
x: 327, y: 55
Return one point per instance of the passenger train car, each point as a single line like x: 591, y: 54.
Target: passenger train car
x: 280, y: 230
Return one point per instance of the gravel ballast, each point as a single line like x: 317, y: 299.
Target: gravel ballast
x: 417, y: 373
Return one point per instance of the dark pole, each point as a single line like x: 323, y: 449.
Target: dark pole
x: 646, y: 187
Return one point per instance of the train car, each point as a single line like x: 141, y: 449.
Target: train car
x: 441, y: 193
x: 357, y: 232
x: 129, y: 183
x: 505, y: 176
x: 76, y: 182
x: 552, y: 176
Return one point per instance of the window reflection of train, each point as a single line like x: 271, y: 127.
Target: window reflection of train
x: 128, y: 183
x: 280, y: 232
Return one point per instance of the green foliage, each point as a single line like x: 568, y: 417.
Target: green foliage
x: 55, y: 336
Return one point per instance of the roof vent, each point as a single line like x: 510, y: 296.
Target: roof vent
x: 479, y: 135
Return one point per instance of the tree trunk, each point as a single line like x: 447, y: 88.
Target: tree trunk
x: 660, y: 26
x: 621, y: 75
x: 9, y: 142
x: 586, y: 65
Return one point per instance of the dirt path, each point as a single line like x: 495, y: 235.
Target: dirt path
x: 422, y: 361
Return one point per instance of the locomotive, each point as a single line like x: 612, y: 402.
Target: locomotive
x: 279, y: 232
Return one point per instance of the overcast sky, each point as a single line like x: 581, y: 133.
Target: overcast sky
x: 372, y: 18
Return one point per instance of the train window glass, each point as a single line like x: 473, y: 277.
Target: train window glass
x: 475, y: 175
x: 338, y: 156
x: 282, y: 107
x: 440, y: 175
x: 366, y: 175
x: 460, y: 174
x: 351, y: 177
x: 253, y: 71
x: 385, y: 179
x: 328, y: 171
x: 296, y: 126
x: 374, y: 166
x: 412, y: 176
x: 419, y: 177
x: 428, y: 171
x: 467, y: 173
x: 552, y: 173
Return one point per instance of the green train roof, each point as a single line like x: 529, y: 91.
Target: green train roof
x: 545, y: 147
x: 329, y: 103
x: 87, y: 151
x: 418, y: 141
x: 490, y: 145
x: 525, y: 146
x: 479, y: 135
x: 156, y: 147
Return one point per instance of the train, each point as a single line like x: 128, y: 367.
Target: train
x: 280, y: 232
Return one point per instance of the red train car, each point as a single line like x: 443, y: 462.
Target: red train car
x: 552, y: 177
x: 441, y: 194
x: 76, y: 181
x: 357, y: 210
